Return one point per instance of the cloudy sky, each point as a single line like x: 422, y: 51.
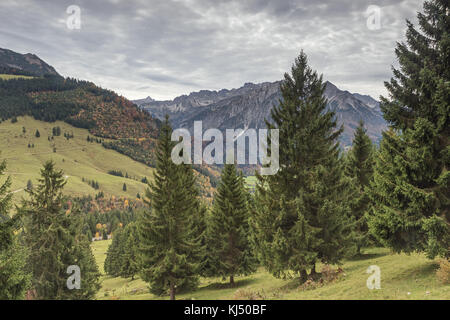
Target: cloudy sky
x: 166, y: 48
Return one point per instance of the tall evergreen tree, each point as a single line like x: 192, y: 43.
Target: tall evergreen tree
x: 55, y: 241
x: 228, y: 230
x: 411, y: 188
x: 115, y: 254
x: 300, y: 213
x: 14, y: 277
x: 359, y: 167
x: 171, y: 250
x: 130, y: 262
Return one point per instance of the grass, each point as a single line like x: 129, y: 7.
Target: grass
x: 403, y: 277
x: 13, y: 76
x: 76, y: 157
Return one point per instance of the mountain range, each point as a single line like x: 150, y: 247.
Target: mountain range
x: 249, y: 106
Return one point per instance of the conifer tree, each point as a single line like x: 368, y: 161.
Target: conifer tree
x: 228, y: 229
x: 114, y: 254
x: 301, y: 216
x: 411, y: 188
x: 55, y: 241
x: 170, y: 247
x: 359, y: 167
x: 130, y: 261
x: 29, y: 185
x: 15, y: 280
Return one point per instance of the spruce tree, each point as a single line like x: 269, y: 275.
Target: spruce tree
x: 55, y: 241
x: 130, y: 261
x: 301, y: 216
x: 228, y: 230
x: 114, y: 254
x: 15, y: 280
x: 170, y: 246
x: 359, y: 167
x: 411, y: 188
x: 29, y: 185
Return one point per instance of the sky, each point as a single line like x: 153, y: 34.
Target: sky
x: 166, y: 48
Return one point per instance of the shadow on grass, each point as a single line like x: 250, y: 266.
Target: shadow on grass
x: 238, y: 284
x: 422, y: 271
x: 367, y: 256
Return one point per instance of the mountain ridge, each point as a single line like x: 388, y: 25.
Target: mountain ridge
x: 249, y: 106
x: 27, y: 63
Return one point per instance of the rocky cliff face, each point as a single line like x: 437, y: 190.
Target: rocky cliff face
x: 249, y: 106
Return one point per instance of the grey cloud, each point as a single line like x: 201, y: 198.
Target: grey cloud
x: 170, y: 47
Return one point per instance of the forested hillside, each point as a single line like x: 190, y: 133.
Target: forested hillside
x: 84, y: 105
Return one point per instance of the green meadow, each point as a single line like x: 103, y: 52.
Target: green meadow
x: 13, y: 76
x: 77, y: 157
x: 403, y: 277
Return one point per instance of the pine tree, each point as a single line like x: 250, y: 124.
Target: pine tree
x: 228, y: 230
x: 15, y: 280
x: 55, y: 241
x: 130, y: 261
x: 359, y: 167
x: 114, y: 254
x: 124, y: 187
x: 170, y: 245
x: 29, y: 185
x: 411, y: 188
x: 37, y: 134
x: 301, y: 216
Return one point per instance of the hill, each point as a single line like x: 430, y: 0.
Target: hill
x: 79, y: 159
x: 121, y: 125
x: 29, y: 86
x: 403, y: 277
x: 25, y: 63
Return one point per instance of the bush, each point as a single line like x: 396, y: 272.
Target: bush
x: 329, y: 274
x: 243, y: 294
x: 443, y: 273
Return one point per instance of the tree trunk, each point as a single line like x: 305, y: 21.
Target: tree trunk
x: 313, y: 271
x: 232, y: 280
x: 172, y: 291
x: 303, y: 275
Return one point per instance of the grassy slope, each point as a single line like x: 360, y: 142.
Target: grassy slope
x: 400, y: 274
x: 12, y: 76
x: 76, y: 157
